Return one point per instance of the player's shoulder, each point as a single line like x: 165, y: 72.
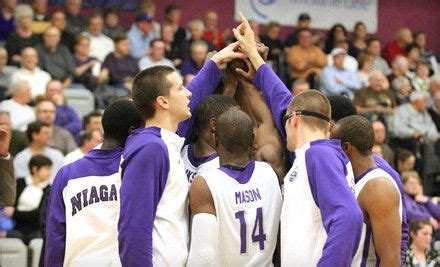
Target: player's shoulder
x: 325, y: 149
x: 146, y: 142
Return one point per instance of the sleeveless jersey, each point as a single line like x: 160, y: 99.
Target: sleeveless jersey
x: 194, y: 166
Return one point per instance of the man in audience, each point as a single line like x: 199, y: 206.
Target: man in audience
x: 395, y: 48
x: 194, y: 64
x: 66, y: 116
x: 6, y: 72
x: 7, y: 181
x: 55, y: 58
x: 92, y: 121
x: 196, y: 29
x: 212, y: 32
x: 88, y: 141
x: 58, y: 20
x: 350, y: 63
x: 140, y: 36
x: 19, y: 140
x: 304, y: 21
x: 18, y: 105
x: 76, y: 22
x: 434, y: 110
x: 61, y: 138
x: 434, y: 86
x: 375, y: 101
x: 299, y: 86
x: 100, y: 44
x: 156, y: 56
x: 31, y: 73
x: 87, y: 68
x: 374, y: 49
x: 400, y: 68
x: 39, y: 135
x: 336, y: 80
x: 379, y: 139
x: 40, y: 21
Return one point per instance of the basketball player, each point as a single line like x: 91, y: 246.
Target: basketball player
x: 237, y: 206
x: 377, y: 193
x: 153, y: 224
x: 201, y: 155
x: 83, y: 208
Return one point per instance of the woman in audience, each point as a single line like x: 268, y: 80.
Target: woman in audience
x: 173, y: 51
x: 366, y: 62
x: 413, y: 56
x: 22, y: 36
x: 87, y: 68
x: 421, y: 80
x: 30, y: 191
x: 405, y: 160
x: 425, y: 54
x: 337, y: 32
x: 402, y: 89
x: 418, y: 206
x: 271, y: 39
x: 419, y: 253
x: 358, y: 43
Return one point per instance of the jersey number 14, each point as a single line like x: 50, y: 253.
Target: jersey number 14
x: 258, y: 232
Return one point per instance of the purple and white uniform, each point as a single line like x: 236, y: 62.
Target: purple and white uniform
x: 195, y: 166
x: 248, y: 206
x: 83, y: 212
x: 321, y: 221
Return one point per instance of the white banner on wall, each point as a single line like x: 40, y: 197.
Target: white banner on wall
x: 324, y: 13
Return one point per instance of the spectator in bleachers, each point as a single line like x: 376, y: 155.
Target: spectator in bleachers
x: 111, y: 24
x: 434, y: 110
x: 76, y: 22
x: 119, y: 67
x: 418, y: 206
x: 402, y: 89
x: 413, y: 56
x: 140, y: 36
x: 336, y: 80
x: 149, y: 8
x: 305, y: 59
x: 358, y: 42
x: 366, y: 62
x: 196, y: 29
x: 58, y: 20
x: 212, y: 32
x: 419, y: 252
x: 86, y: 68
x: 379, y: 139
x: 400, y: 68
x: 397, y: 47
x: 22, y: 36
x: 194, y: 64
x: 18, y: 138
x: 7, y: 19
x: 425, y: 54
x: 61, y: 138
x: 100, y: 44
x: 434, y: 86
x: 31, y: 73
x: 271, y: 39
x: 405, y: 160
x: 173, y: 15
x: 40, y: 22
x: 55, y: 58
x: 350, y: 63
x: 173, y: 51
x: 92, y: 121
x: 336, y: 32
x: 299, y: 86
x: 421, y: 79
x: 66, y: 116
x: 374, y: 49
x: 18, y: 105
x: 30, y: 190
x: 88, y: 141
x: 6, y: 72
x: 303, y: 23
x: 8, y: 183
x: 376, y: 101
x: 156, y: 57
x: 39, y: 134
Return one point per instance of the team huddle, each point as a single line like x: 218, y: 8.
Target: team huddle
x: 189, y: 177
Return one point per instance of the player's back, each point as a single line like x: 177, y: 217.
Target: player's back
x: 91, y: 198
x: 194, y: 166
x: 248, y: 206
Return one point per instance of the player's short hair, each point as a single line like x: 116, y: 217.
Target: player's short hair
x: 234, y: 130
x: 148, y: 85
x: 119, y: 118
x: 35, y: 127
x: 341, y: 107
x: 357, y: 131
x: 39, y: 161
x: 312, y: 101
x: 212, y: 107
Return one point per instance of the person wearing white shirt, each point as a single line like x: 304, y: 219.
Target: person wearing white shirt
x: 156, y: 57
x: 100, y: 44
x: 350, y: 63
x: 88, y: 141
x: 21, y: 113
x: 31, y: 73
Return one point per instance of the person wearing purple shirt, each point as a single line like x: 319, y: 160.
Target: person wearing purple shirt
x: 7, y: 19
x: 153, y: 223
x: 85, y: 195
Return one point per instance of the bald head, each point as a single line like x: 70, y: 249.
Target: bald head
x: 234, y: 131
x: 405, y: 36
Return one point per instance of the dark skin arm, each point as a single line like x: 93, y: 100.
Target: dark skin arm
x: 200, y: 197
x: 379, y: 200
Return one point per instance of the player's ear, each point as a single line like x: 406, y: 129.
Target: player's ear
x: 346, y: 147
x: 212, y: 123
x: 162, y: 102
x: 216, y: 142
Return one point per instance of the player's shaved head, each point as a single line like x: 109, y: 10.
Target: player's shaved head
x: 312, y: 101
x: 212, y: 107
x: 341, y: 107
x: 234, y: 130
x: 357, y: 131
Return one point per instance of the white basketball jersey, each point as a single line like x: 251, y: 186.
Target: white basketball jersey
x: 193, y: 166
x: 248, y: 214
x: 366, y: 253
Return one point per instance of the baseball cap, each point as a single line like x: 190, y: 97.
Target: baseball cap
x: 338, y: 51
x: 304, y: 16
x: 142, y: 17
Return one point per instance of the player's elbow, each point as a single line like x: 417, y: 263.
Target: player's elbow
x: 391, y: 259
x: 353, y: 219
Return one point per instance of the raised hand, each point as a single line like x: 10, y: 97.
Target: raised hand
x: 227, y: 54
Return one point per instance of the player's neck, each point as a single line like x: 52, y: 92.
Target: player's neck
x: 227, y: 158
x: 163, y: 121
x: 361, y: 164
x: 202, y: 148
x: 306, y: 135
x: 109, y: 143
